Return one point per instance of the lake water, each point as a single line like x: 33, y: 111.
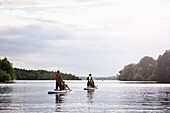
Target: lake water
x: 110, y: 97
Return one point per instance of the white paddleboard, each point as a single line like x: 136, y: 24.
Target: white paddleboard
x: 56, y: 92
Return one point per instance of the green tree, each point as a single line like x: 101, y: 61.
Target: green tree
x: 145, y: 67
x: 127, y: 73
x: 7, y: 71
x: 138, y: 77
x: 163, y: 67
x: 148, y: 69
x: 4, y: 76
x: 141, y: 71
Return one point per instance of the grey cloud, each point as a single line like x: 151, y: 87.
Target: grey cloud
x: 28, y: 39
x: 34, y: 32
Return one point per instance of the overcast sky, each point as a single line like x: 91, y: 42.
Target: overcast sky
x: 83, y: 36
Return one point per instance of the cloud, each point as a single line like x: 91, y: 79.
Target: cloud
x: 82, y: 36
x: 23, y: 40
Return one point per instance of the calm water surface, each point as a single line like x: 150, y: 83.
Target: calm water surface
x: 112, y: 96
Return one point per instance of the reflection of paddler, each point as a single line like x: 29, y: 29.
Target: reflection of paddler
x: 60, y: 98
x: 90, y: 95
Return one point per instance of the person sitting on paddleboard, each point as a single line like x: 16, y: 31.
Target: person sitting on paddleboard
x: 59, y: 80
x: 64, y: 86
x: 93, y: 85
x: 89, y: 78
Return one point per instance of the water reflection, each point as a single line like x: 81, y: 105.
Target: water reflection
x: 59, y: 98
x: 153, y: 98
x: 5, y: 89
x: 137, y: 82
x: 90, y: 94
x: 5, y: 97
x: 59, y: 101
x: 111, y: 97
x: 164, y: 98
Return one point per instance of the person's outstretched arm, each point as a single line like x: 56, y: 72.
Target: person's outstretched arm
x: 68, y: 87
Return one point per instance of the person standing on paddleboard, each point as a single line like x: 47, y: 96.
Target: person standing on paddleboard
x: 58, y: 80
x: 89, y: 78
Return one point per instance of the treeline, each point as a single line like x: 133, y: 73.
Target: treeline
x: 148, y: 69
x: 6, y: 70
x: 7, y: 73
x: 22, y: 74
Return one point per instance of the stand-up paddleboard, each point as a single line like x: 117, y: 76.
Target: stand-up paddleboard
x: 57, y: 91
x: 90, y: 88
